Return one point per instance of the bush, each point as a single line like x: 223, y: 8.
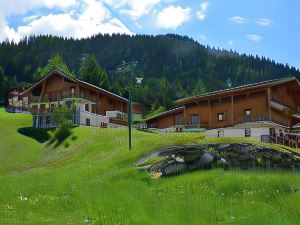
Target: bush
x: 62, y: 133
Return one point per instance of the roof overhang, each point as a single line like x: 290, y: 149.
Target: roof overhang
x: 46, y: 77
x: 102, y: 90
x: 77, y: 81
x: 166, y: 113
x: 244, y: 88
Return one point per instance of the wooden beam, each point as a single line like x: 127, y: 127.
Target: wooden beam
x: 42, y: 92
x: 77, y: 91
x: 97, y: 108
x: 269, y: 102
x: 184, y: 116
x: 209, y: 113
x: 232, y: 116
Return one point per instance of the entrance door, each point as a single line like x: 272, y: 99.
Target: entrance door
x: 87, y: 122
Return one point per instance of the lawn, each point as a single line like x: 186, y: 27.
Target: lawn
x: 91, y: 179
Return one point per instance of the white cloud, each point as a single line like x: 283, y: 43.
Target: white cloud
x: 264, y: 22
x: 134, y: 8
x: 20, y: 7
x: 230, y: 42
x: 254, y: 37
x: 238, y: 19
x: 92, y: 18
x: 172, y: 17
x: 202, y: 13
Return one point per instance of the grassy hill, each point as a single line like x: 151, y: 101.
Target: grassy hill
x: 92, y: 180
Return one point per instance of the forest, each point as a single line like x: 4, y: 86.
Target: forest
x: 171, y: 66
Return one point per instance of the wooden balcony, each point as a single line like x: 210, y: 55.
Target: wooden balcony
x: 276, y: 103
x: 261, y: 118
x: 59, y: 96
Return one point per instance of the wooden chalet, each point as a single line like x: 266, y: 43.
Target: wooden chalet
x: 93, y: 105
x: 274, y: 102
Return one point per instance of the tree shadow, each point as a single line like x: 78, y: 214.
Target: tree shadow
x: 39, y: 134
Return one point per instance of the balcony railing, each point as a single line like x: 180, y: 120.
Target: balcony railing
x: 261, y: 118
x: 291, y: 108
x: 57, y: 96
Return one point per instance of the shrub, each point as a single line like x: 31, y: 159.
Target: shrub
x: 62, y: 133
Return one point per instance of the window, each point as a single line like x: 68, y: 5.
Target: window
x: 86, y: 107
x: 247, y: 112
x: 72, y: 91
x: 179, y: 119
x: 195, y: 120
x: 88, y: 122
x: 221, y: 116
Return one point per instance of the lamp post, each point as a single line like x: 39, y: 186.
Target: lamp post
x: 127, y: 69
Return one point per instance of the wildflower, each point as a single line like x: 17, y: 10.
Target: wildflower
x: 9, y: 206
x: 23, y: 198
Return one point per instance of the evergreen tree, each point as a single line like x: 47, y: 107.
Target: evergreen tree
x: 199, y: 88
x: 188, y: 66
x: 91, y: 72
x: 55, y: 63
x: 5, y: 83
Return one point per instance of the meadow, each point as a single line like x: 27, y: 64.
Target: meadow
x: 91, y: 178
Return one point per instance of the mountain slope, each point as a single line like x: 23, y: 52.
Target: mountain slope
x: 188, y: 66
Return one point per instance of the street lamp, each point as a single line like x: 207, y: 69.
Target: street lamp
x: 125, y: 69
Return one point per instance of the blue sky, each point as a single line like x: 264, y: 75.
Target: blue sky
x: 267, y: 28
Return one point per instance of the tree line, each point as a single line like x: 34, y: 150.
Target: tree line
x: 171, y: 66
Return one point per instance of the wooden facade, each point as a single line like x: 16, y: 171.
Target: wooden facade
x: 275, y: 101
x: 57, y: 89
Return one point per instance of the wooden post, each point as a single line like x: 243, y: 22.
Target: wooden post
x: 42, y: 92
x: 269, y: 103
x: 232, y: 117
x: 39, y: 104
x: 77, y: 91
x: 209, y: 113
x: 97, y: 108
x: 184, y: 116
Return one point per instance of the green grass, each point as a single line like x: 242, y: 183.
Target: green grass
x: 94, y: 181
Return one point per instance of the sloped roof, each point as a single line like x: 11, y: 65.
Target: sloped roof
x: 75, y: 81
x: 240, y: 88
x: 171, y: 111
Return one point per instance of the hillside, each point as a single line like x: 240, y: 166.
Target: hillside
x: 93, y: 180
x: 173, y: 66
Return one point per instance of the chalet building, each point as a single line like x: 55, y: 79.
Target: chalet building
x: 12, y: 101
x: 269, y: 104
x: 93, y: 106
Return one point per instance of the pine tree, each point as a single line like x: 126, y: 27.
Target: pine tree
x: 55, y: 63
x: 91, y: 72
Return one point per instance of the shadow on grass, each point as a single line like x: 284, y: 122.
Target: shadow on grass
x: 39, y: 134
x: 59, y: 135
